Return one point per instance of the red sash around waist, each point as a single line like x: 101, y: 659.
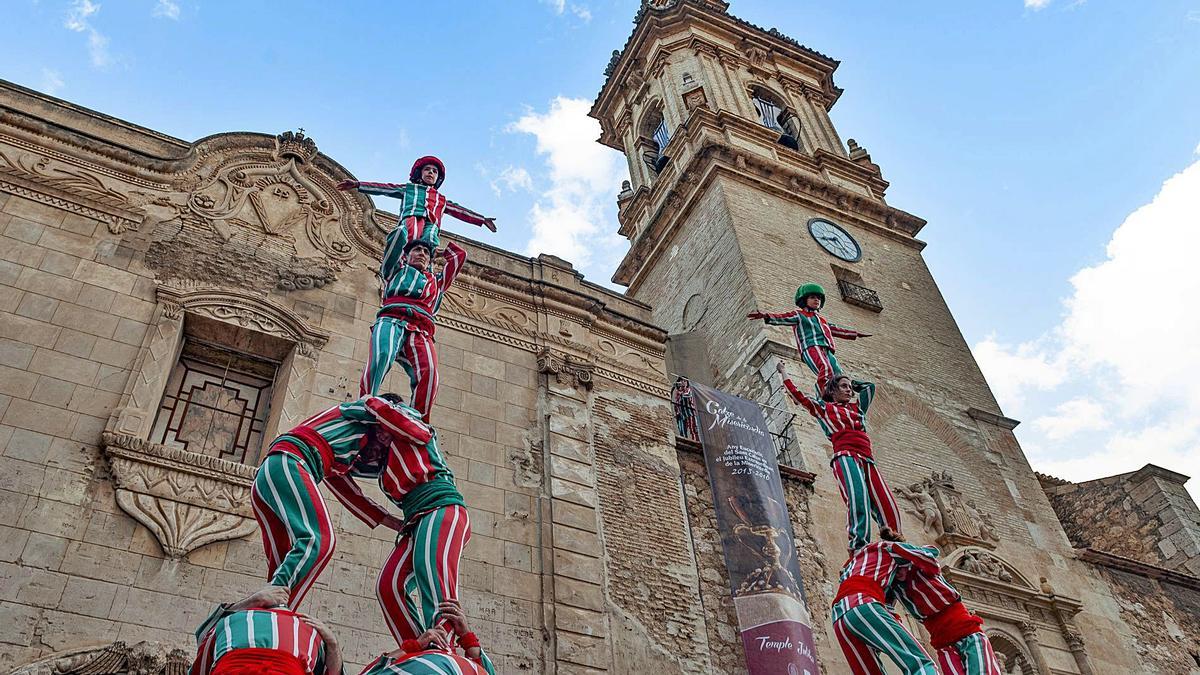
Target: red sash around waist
x: 951, y: 625
x: 852, y: 441
x: 259, y: 661
x: 410, y: 311
x: 860, y: 584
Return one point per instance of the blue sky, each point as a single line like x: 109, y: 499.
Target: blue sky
x: 1027, y: 132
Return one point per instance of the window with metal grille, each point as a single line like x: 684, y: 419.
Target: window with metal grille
x: 768, y: 113
x: 216, y: 402
x: 661, y: 135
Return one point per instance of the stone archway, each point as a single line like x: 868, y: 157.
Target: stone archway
x: 1015, y: 658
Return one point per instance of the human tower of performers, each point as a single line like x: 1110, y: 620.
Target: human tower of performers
x: 381, y: 437
x: 880, y: 573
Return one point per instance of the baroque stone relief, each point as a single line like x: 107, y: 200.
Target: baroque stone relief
x: 270, y: 220
x: 118, y: 658
x: 952, y: 519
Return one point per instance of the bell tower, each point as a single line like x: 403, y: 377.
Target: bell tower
x: 741, y: 187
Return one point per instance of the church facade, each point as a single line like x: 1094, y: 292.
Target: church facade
x: 168, y: 306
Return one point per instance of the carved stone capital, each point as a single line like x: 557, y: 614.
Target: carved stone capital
x: 186, y: 499
x: 567, y: 369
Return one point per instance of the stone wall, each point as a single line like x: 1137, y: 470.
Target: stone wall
x: 1164, y: 618
x: 118, y: 245
x: 1146, y: 515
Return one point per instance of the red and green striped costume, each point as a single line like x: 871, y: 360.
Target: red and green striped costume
x: 421, y: 208
x: 860, y: 482
x: 224, y: 633
x: 962, y: 647
x: 422, y: 570
x: 404, y: 326
x: 814, y: 340
x: 430, y: 662
x: 864, y: 626
x: 296, y: 529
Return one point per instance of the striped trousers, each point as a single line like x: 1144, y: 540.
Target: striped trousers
x: 868, y: 630
x: 972, y: 655
x: 823, y: 363
x: 392, y: 341
x: 296, y: 530
x: 423, y: 571
x: 867, y: 496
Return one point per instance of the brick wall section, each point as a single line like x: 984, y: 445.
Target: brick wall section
x: 651, y: 570
x: 1146, y: 515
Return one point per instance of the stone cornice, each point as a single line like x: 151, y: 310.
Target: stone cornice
x: 993, y: 418
x: 1142, y: 569
x: 701, y: 151
x: 651, y: 20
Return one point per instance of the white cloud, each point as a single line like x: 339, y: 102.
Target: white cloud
x: 512, y: 179
x: 1072, y: 417
x: 52, y: 81
x: 1193, y: 15
x: 78, y: 20
x: 581, y: 12
x: 1013, y: 371
x: 557, y: 5
x: 574, y: 216
x: 1036, y: 5
x: 1126, y: 350
x: 167, y: 9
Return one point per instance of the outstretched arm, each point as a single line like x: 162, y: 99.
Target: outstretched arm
x: 468, y: 216
x: 780, y: 319
x: 382, y: 189
x: 846, y: 333
x: 797, y: 395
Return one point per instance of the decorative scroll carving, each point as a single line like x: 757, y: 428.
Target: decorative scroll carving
x: 42, y: 179
x: 953, y: 520
x: 567, y: 369
x: 184, y: 498
x: 143, y: 658
x: 247, y: 311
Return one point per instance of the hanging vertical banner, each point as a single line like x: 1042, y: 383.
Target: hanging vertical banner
x: 756, y: 534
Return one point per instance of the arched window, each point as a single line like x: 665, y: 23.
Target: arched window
x: 774, y: 114
x: 653, y: 140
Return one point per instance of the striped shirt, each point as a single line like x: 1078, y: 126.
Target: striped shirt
x: 280, y: 629
x: 411, y: 464
x: 835, y: 417
x: 923, y: 593
x: 430, y: 662
x: 421, y: 290
x: 872, y: 561
x: 811, y: 329
x: 345, y: 429
x: 421, y: 201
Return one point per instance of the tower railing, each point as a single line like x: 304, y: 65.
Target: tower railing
x: 779, y: 423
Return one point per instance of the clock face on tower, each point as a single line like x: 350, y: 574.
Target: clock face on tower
x: 834, y: 239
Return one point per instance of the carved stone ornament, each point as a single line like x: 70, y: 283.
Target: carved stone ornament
x: 566, y: 369
x: 268, y: 218
x: 942, y: 510
x: 142, y: 658
x: 986, y: 564
x: 245, y: 310
x: 184, y: 498
x: 32, y: 175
